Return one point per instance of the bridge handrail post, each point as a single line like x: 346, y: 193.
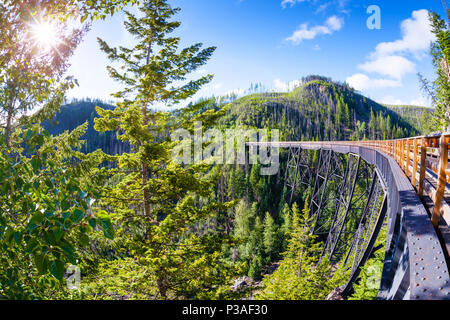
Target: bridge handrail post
x: 402, y: 154
x: 395, y: 149
x: 423, y: 158
x: 408, y: 156
x: 401, y: 159
x: 415, y: 164
x: 442, y: 179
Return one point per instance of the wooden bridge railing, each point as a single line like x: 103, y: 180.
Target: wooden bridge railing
x: 424, y: 160
x: 415, y: 155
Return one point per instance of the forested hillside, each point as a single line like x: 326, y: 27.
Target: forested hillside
x: 74, y: 114
x: 418, y: 117
x: 320, y: 110
x: 324, y: 110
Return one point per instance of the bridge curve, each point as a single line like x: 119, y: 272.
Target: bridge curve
x: 416, y: 261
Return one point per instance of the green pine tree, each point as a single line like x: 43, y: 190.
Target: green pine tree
x: 270, y: 236
x: 158, y: 205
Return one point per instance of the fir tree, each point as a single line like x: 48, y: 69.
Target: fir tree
x: 270, y: 236
x: 157, y: 203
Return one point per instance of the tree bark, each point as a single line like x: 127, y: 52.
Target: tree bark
x: 8, y: 128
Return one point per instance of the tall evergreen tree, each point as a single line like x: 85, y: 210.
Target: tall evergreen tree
x: 244, y: 219
x: 157, y: 203
x: 270, y: 236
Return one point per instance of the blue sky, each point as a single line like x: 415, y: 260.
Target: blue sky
x: 277, y: 42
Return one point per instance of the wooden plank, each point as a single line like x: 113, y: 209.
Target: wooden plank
x: 442, y: 179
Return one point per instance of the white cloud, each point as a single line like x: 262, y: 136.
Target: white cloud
x: 391, y: 100
x: 202, y: 71
x: 360, y: 82
x: 323, y: 7
x: 391, y: 59
x: 280, y: 86
x: 210, y: 89
x: 416, y: 36
x: 392, y: 66
x: 304, y: 33
x: 334, y: 23
x: 420, y: 101
x: 285, y: 3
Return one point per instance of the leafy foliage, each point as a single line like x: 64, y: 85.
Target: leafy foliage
x: 45, y: 216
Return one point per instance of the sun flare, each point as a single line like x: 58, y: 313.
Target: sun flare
x: 45, y: 34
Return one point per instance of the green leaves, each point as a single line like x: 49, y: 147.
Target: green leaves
x: 41, y: 263
x: 43, y: 204
x: 107, y: 227
x: 43, y: 216
x: 57, y: 269
x: 36, y: 164
x: 18, y: 237
x: 77, y: 216
x: 84, y: 239
x: 35, y: 220
x: 58, y: 233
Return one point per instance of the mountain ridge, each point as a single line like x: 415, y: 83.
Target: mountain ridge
x: 319, y: 109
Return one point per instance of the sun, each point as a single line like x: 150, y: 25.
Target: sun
x: 45, y: 35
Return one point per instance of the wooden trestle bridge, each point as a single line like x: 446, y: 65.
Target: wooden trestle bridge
x: 358, y: 188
